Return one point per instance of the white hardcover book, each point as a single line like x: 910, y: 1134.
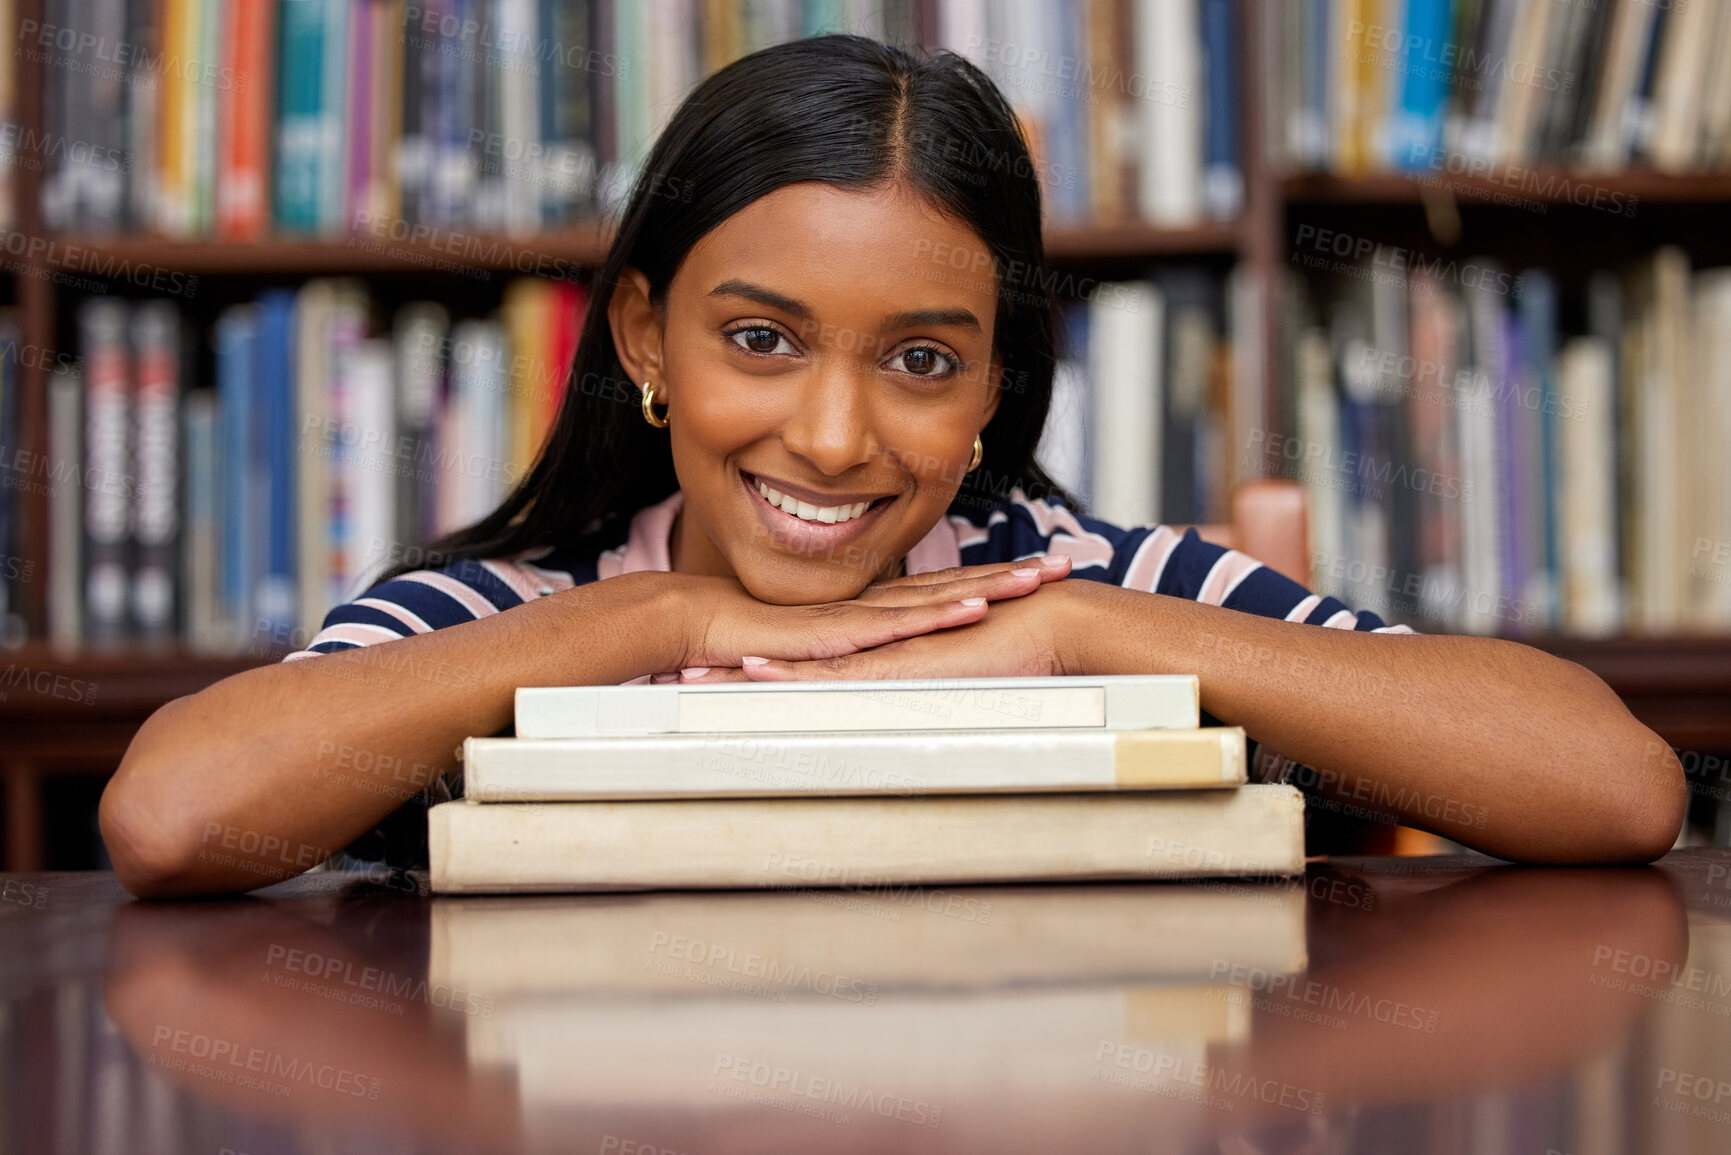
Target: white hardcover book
x: 368, y: 468
x: 316, y: 422
x: 1125, y: 323
x: 1125, y: 702
x: 1680, y: 85
x: 1587, y: 471
x: 1168, y: 52
x: 704, y: 844
x: 1708, y: 525
x: 909, y: 763
x: 1481, y: 522
x: 1607, y: 143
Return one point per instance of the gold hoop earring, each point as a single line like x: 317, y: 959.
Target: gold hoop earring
x: 649, y: 407
x: 979, y: 453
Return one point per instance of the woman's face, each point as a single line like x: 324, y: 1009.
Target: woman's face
x: 826, y: 359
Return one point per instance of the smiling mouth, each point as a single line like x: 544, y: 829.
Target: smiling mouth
x: 809, y: 512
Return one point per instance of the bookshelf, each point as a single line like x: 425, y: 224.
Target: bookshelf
x: 1680, y: 685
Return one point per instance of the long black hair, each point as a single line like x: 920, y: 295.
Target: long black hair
x: 850, y: 112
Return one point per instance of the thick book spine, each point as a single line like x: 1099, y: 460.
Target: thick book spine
x: 110, y: 481
x: 14, y: 569
x: 357, y: 113
x: 331, y: 135
x: 1124, y: 378
x: 300, y: 87
x: 243, y: 192
x: 234, y: 336
x: 274, y: 598
x: 908, y: 764
x: 201, y: 596
x: 420, y: 337
x: 412, y: 146
x: 156, y: 425
x: 706, y: 844
x: 1222, y: 178
x: 65, y: 502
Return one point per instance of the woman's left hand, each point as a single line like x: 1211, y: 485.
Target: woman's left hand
x: 1030, y: 636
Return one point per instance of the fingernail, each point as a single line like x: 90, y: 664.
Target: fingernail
x: 973, y: 601
x: 1025, y: 572
x: 754, y: 661
x: 1055, y: 560
x: 663, y: 679
x: 694, y: 671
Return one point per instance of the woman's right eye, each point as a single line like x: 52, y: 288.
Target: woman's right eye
x: 758, y: 339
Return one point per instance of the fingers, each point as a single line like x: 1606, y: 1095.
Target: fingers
x: 846, y: 628
x: 704, y: 674
x: 868, y: 665
x: 993, y: 582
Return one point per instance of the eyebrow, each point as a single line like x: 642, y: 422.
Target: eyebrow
x: 904, y: 320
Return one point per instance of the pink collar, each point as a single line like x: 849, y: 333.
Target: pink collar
x: 646, y: 548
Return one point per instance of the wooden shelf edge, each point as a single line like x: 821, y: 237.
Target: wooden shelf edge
x: 1097, y: 242
x: 559, y: 253
x: 40, y: 682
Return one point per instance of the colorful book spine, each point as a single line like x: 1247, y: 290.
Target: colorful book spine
x: 156, y: 340
x: 236, y: 330
x: 276, y: 435
x: 108, y: 478
x: 300, y: 122
x: 243, y: 191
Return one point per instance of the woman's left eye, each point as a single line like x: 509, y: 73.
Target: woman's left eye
x: 758, y: 339
x: 928, y: 361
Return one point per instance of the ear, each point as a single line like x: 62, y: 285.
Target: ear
x: 637, y: 330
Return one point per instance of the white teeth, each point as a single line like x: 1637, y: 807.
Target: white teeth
x: 805, y: 511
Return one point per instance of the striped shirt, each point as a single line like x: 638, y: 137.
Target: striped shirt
x: 1155, y: 559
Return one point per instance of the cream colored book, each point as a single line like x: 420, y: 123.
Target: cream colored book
x: 741, y: 843
x: 794, y: 943
x: 1125, y: 702
x: 907, y: 764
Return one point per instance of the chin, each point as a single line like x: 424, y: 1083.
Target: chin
x: 788, y: 581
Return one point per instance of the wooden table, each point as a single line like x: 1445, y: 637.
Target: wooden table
x: 1442, y: 1005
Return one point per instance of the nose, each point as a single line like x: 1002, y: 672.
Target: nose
x: 831, y: 428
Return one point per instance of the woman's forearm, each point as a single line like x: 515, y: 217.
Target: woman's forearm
x: 1491, y: 743
x: 266, y: 773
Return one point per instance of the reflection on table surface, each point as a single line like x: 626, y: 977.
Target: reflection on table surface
x: 1374, y: 1005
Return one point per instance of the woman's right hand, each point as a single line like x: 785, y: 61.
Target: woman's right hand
x: 722, y: 624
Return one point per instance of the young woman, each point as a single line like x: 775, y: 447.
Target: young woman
x: 798, y: 442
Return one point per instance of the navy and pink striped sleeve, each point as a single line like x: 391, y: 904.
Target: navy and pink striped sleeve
x: 1155, y: 559
x: 427, y: 600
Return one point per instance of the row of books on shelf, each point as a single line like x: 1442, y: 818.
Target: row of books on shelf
x: 1457, y: 86
x: 232, y: 513
x: 1469, y: 464
x: 1473, y: 464
x: 1133, y: 107
x: 234, y: 119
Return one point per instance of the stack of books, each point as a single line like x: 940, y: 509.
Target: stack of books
x: 860, y: 784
